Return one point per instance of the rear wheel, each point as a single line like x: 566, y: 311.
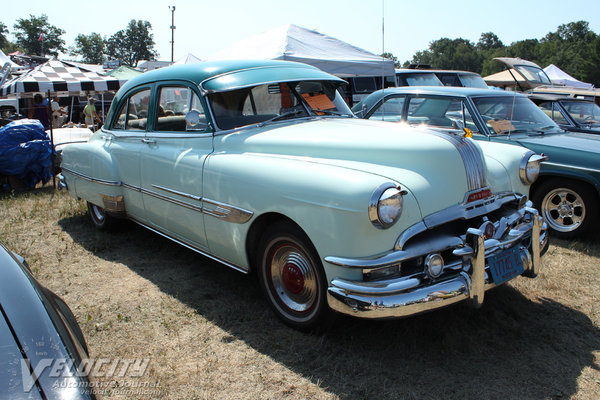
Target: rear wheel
x: 569, y: 208
x: 292, y: 278
x: 101, y: 219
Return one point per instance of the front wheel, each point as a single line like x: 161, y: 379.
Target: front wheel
x: 101, y: 219
x: 292, y: 278
x: 569, y: 208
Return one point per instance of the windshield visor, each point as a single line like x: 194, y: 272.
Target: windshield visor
x: 276, y: 102
x: 513, y: 114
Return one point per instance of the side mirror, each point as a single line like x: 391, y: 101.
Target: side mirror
x: 193, y: 121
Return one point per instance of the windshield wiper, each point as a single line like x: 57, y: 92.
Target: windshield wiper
x: 284, y: 115
x: 543, y: 129
x: 329, y: 112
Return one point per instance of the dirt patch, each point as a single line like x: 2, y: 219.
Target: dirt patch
x: 209, y: 334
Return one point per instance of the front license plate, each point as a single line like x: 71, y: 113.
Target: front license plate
x: 506, y: 265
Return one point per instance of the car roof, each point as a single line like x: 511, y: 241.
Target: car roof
x: 245, y: 71
x: 433, y: 71
x: 556, y: 97
x: 375, y: 97
x: 448, y: 91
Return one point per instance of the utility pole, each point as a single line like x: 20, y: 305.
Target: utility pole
x: 172, y: 8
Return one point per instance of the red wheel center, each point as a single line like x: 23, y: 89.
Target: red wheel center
x: 292, y: 278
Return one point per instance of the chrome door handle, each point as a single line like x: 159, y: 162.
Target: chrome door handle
x: 148, y: 141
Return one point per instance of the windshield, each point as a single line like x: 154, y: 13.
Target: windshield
x: 472, y: 80
x: 585, y: 113
x: 418, y: 79
x: 513, y: 114
x: 274, y: 102
x: 533, y: 74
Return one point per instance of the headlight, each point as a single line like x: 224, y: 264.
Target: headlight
x: 385, y: 206
x: 530, y: 167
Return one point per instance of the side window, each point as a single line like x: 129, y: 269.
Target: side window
x: 179, y: 110
x: 391, y: 110
x: 133, y: 114
x: 550, y: 110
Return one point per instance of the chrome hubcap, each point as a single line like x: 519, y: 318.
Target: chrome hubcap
x: 293, y: 278
x: 98, y: 213
x: 563, y: 209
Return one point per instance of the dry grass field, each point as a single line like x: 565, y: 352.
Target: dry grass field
x: 210, y: 335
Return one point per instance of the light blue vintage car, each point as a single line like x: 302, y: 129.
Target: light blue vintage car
x: 261, y: 166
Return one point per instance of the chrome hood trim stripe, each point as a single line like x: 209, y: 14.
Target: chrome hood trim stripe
x: 472, y: 158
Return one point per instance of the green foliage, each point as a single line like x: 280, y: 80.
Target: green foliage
x: 132, y: 44
x: 392, y: 57
x: 28, y: 31
x: 450, y: 54
x: 3, y: 36
x: 90, y: 47
x: 573, y: 47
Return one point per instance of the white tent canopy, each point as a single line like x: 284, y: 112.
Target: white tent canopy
x: 189, y: 58
x: 560, y: 77
x: 294, y: 43
x: 4, y: 59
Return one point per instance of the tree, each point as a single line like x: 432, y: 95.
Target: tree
x: 36, y: 36
x: 90, y: 47
x: 3, y: 33
x: 132, y: 44
x: 489, y: 41
x: 392, y: 57
x: 447, y: 53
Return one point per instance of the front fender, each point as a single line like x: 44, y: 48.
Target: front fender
x: 330, y: 203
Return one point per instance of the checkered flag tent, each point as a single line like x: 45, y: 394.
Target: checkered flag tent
x: 61, y: 79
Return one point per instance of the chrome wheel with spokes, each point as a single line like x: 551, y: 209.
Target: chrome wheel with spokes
x: 563, y: 209
x: 568, y: 207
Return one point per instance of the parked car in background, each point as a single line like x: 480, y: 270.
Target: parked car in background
x: 361, y: 86
x: 262, y: 166
x: 567, y: 192
x: 571, y: 114
x: 435, y: 77
x: 37, y: 328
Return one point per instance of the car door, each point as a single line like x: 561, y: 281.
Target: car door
x: 128, y: 129
x: 175, y: 148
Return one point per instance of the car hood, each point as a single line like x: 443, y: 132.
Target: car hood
x: 577, y: 149
x: 425, y: 162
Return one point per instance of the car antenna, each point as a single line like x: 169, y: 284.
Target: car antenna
x: 383, y: 59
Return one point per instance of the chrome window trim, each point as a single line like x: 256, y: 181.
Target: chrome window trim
x: 123, y: 134
x: 178, y: 135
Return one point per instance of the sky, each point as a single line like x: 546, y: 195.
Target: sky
x: 399, y: 27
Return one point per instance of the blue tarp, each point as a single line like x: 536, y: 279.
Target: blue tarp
x: 25, y: 152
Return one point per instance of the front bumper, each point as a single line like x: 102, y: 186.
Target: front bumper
x: 415, y: 294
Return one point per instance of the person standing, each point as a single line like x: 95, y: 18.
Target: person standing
x: 89, y: 112
x: 58, y: 113
x: 40, y: 111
